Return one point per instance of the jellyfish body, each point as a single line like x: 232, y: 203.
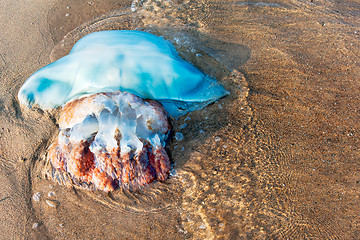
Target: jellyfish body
x: 109, y: 136
x: 133, y: 61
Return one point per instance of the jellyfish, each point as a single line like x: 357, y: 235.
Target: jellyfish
x: 116, y: 90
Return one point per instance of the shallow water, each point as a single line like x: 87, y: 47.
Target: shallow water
x: 277, y: 158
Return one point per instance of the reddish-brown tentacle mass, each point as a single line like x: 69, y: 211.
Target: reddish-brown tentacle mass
x: 112, y: 140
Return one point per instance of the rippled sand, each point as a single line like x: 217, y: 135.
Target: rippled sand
x: 276, y: 159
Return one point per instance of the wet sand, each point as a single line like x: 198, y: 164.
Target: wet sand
x: 276, y: 159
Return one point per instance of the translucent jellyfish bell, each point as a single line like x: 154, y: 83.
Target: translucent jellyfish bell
x: 132, y: 61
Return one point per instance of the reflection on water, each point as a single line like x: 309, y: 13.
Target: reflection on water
x: 278, y: 158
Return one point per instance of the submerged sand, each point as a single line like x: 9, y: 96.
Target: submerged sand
x: 278, y: 158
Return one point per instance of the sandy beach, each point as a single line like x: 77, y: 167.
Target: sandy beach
x: 276, y: 159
